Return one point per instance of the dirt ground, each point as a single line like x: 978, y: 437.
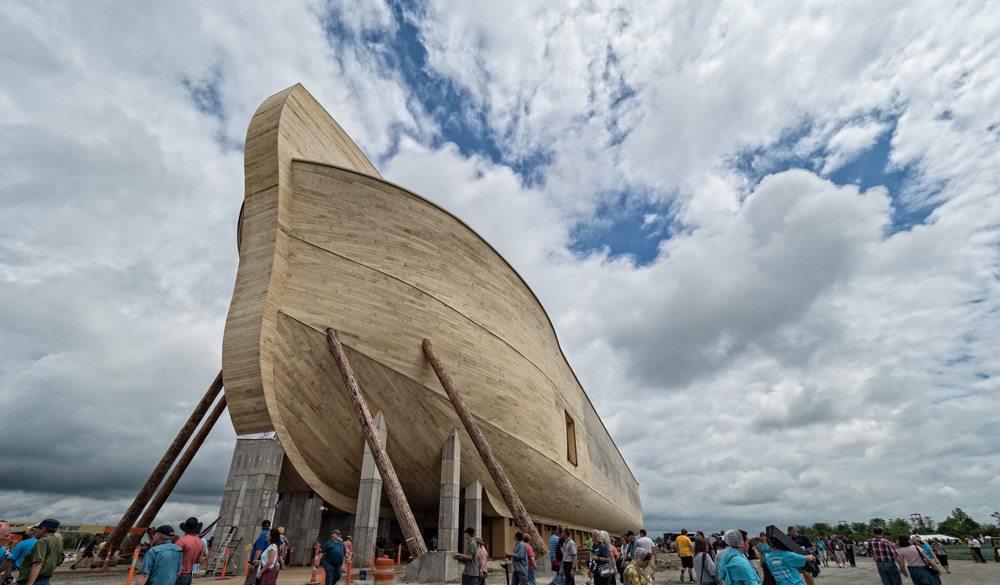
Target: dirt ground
x: 963, y: 573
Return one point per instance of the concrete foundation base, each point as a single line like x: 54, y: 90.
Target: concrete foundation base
x: 434, y: 567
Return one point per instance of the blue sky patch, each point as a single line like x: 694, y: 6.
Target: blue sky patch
x: 625, y: 228
x: 869, y: 168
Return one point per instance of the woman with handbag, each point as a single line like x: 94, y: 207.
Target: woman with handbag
x: 704, y: 566
x: 267, y: 570
x: 922, y: 572
x: 604, y: 560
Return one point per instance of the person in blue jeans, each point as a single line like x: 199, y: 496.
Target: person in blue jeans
x: 333, y: 558
x: 891, y: 568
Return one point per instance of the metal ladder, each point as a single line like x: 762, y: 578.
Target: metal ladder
x: 215, y: 563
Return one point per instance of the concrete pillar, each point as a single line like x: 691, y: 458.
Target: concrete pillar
x: 474, y: 507
x: 300, y: 513
x: 451, y: 463
x: 366, y: 522
x: 250, y: 492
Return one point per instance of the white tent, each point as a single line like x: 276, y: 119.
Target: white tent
x: 927, y: 537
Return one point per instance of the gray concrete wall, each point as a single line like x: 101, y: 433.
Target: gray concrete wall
x: 301, y: 514
x: 249, y: 496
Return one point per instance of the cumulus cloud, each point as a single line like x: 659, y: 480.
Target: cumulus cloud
x: 792, y: 352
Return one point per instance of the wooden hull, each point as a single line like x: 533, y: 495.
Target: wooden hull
x: 325, y: 242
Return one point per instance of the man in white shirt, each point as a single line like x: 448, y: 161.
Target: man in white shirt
x: 647, y: 543
x: 977, y: 550
x: 568, y: 564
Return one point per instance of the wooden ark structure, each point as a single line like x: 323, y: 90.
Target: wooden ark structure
x: 324, y: 242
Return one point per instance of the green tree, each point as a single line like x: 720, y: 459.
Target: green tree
x: 817, y: 530
x: 897, y: 527
x: 877, y: 523
x: 861, y: 531
x: 959, y: 524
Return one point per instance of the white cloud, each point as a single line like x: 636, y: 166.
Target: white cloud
x: 784, y: 352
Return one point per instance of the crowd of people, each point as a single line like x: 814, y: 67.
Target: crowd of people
x: 728, y: 557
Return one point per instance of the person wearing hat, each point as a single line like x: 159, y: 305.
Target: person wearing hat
x: 16, y: 555
x: 162, y: 562
x: 334, y: 552
x: 192, y: 549
x: 43, y: 558
x: 731, y: 564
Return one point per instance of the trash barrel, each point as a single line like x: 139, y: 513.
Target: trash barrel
x: 384, y: 574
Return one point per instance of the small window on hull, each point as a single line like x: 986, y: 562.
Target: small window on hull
x: 570, y: 439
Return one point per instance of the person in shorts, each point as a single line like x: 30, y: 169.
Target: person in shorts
x: 686, y: 554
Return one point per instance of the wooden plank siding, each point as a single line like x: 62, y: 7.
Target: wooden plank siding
x: 325, y: 242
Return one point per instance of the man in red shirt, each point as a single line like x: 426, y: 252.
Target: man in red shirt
x: 192, y: 549
x: 887, y: 558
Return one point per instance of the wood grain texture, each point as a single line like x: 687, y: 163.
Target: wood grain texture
x: 327, y: 243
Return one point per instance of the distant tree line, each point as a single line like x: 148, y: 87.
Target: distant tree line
x: 958, y: 524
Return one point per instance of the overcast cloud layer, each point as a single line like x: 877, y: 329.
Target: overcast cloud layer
x: 768, y: 236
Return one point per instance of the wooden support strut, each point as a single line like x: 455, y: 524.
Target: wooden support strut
x: 128, y: 519
x: 175, y: 475
x: 407, y: 523
x: 486, y: 452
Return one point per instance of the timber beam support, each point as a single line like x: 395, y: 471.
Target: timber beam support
x: 404, y: 515
x: 160, y: 471
x: 486, y: 452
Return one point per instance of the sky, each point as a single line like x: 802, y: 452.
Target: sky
x: 767, y: 234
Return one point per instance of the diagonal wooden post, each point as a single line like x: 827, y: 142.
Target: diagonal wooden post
x: 175, y: 474
x: 407, y: 523
x: 128, y: 519
x: 486, y: 452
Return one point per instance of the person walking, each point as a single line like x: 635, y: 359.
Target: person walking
x: 635, y: 571
x: 784, y: 565
x: 647, y: 543
x: 821, y: 553
x: 348, y: 555
x: 43, y: 558
x: 603, y: 559
x: 731, y: 563
x: 555, y: 553
x: 20, y: 550
x: 482, y: 558
x: 520, y: 558
x: 88, y: 553
x: 917, y: 562
x: 470, y: 574
x: 704, y: 566
x: 267, y: 568
x: 849, y: 550
x: 977, y: 551
x: 334, y: 552
x: 163, y: 561
x: 888, y: 561
x: 260, y: 544
x: 532, y: 566
x: 192, y: 549
x: 941, y: 553
x: 569, y: 558
x: 686, y: 555
x: 838, y: 547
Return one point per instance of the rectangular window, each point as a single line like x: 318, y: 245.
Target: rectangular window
x: 570, y: 439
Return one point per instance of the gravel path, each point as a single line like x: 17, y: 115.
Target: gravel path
x: 962, y: 573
